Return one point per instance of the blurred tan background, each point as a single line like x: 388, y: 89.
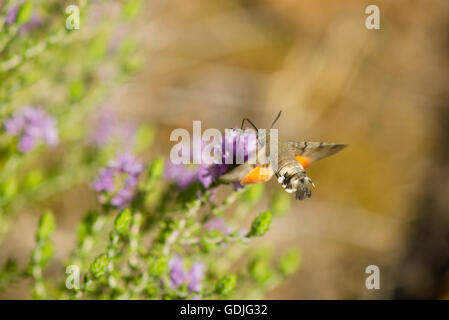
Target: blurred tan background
x: 384, y: 92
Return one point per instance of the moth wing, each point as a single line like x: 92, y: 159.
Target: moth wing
x: 307, y: 152
x: 238, y: 173
x: 258, y: 174
x: 248, y: 174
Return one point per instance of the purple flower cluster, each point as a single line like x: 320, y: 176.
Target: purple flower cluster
x: 108, y: 128
x: 238, y: 145
x: 34, y: 22
x: 208, y: 174
x: 32, y: 125
x: 196, y: 275
x: 220, y: 224
x: 217, y: 224
x: 117, y: 182
x: 11, y: 17
x: 177, y: 272
x: 179, y: 275
x: 180, y: 174
x: 233, y: 147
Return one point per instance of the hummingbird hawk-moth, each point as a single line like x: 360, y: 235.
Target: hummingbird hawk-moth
x: 293, y: 158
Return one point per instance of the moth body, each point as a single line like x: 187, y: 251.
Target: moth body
x: 291, y: 160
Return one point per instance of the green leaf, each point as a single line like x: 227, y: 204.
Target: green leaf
x: 209, y: 242
x: 131, y: 8
x: 98, y: 267
x: 98, y: 48
x: 226, y: 284
x: 151, y: 289
x: 33, y: 179
x: 260, y: 270
x: 86, y: 227
x: 46, y: 226
x: 156, y: 169
x: 9, y: 188
x: 260, y: 225
x: 25, y: 12
x: 122, y: 222
x: 131, y: 64
x: 46, y: 253
x: 290, y: 262
x: 11, y: 266
x: 144, y: 138
x: 157, y: 266
x: 76, y: 90
x: 9, y: 272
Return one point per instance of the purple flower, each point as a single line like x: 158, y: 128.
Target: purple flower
x: 32, y: 125
x: 34, y: 22
x: 243, y: 232
x: 118, y: 180
x: 208, y: 174
x: 179, y: 275
x: 12, y: 15
x: 237, y: 146
x: 220, y: 224
x: 196, y: 275
x: 182, y: 176
x: 117, y: 38
x: 107, y: 128
x: 104, y: 123
x: 217, y: 224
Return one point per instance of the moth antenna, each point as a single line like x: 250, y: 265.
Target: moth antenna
x: 277, y: 118
x: 246, y: 119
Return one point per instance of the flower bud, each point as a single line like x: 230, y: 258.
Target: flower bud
x: 226, y: 284
x: 260, y: 225
x: 260, y: 270
x: 98, y: 267
x: 122, y: 222
x: 289, y: 262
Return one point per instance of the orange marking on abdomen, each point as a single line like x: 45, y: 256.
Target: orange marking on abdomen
x: 258, y: 174
x: 304, y: 161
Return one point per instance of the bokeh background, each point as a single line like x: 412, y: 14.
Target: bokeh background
x: 381, y: 201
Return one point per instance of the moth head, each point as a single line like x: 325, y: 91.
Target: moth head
x: 303, y: 187
x: 298, y: 183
